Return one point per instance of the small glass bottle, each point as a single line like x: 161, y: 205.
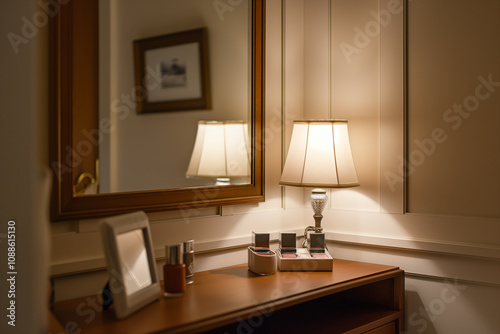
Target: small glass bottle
x: 174, y: 271
x: 188, y: 255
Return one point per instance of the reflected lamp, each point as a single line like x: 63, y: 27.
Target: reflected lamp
x: 319, y: 156
x: 220, y: 151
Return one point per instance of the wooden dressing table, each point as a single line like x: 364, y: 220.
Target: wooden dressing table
x: 355, y: 298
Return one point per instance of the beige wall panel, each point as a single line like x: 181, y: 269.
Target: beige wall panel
x: 454, y: 99
x: 355, y: 96
x: 317, y: 84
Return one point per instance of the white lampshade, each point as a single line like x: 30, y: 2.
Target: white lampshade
x: 319, y: 156
x: 220, y: 150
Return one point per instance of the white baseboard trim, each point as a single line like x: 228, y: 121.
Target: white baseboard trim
x: 432, y: 246
x: 437, y: 278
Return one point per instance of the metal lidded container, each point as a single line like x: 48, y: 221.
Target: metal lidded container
x: 173, y: 255
x: 188, y: 254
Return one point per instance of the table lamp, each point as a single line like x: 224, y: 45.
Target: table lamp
x: 220, y: 151
x: 319, y: 156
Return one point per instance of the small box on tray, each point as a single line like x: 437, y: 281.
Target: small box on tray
x: 313, y: 258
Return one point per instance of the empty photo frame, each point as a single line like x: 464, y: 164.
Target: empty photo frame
x: 130, y: 261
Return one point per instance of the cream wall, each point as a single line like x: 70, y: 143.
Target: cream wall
x: 452, y: 262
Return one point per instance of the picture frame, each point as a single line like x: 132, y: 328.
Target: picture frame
x: 172, y: 72
x: 130, y: 262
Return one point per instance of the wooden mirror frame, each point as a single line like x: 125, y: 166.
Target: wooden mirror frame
x: 72, y: 31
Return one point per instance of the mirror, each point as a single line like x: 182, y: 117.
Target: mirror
x: 130, y: 262
x: 108, y: 158
x: 132, y: 255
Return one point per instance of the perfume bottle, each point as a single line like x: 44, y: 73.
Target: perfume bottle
x: 174, y: 271
x: 188, y: 255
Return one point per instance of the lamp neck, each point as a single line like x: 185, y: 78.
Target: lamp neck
x: 317, y: 221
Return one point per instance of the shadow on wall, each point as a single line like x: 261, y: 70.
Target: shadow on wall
x: 419, y: 321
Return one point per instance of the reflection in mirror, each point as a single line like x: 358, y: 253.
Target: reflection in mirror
x: 107, y: 158
x: 134, y: 260
x: 152, y: 151
x: 221, y: 152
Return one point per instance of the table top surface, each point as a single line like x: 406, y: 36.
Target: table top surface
x: 219, y: 295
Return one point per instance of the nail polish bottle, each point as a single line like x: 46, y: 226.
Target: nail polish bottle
x: 174, y: 271
x: 188, y: 255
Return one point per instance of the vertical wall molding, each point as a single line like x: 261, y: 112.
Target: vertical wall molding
x: 283, y: 82
x: 392, y: 110
x: 330, y: 72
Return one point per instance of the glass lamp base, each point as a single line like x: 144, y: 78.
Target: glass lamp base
x: 318, y: 201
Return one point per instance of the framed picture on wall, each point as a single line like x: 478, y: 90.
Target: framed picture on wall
x: 171, y: 72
